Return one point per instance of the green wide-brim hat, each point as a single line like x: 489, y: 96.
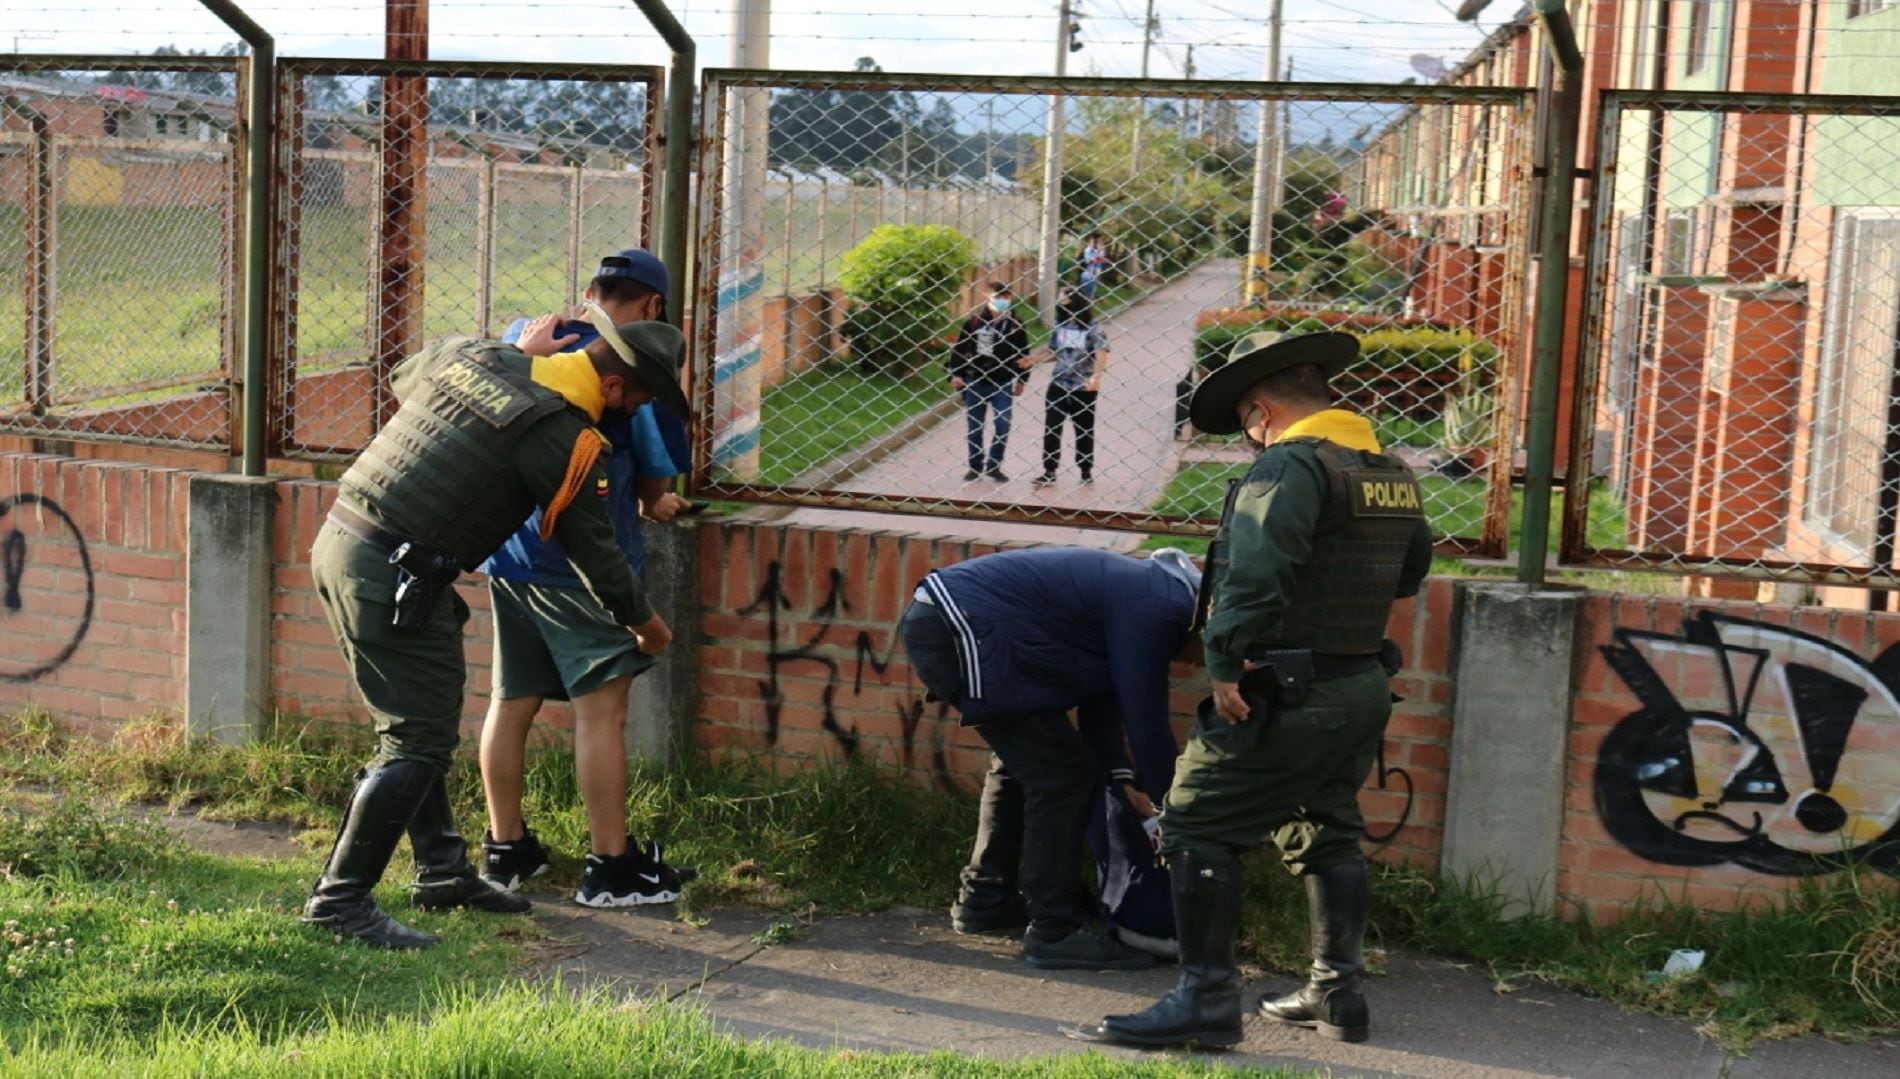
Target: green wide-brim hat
x: 1253, y: 358
x: 655, y: 350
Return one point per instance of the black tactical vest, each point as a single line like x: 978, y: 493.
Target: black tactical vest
x: 1343, y: 595
x: 442, y: 470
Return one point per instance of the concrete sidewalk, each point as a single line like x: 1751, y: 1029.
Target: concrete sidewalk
x: 1150, y: 348
x: 903, y: 981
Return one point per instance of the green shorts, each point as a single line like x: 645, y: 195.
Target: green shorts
x: 557, y: 643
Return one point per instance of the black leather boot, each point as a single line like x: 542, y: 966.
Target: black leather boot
x: 379, y: 810
x: 1331, y: 1002
x: 1204, y: 1008
x: 444, y: 877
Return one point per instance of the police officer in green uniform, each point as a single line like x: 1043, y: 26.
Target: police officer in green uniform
x: 483, y: 435
x: 1316, y: 541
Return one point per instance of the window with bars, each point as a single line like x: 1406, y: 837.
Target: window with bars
x: 1857, y: 8
x: 1862, y: 340
x: 1701, y: 33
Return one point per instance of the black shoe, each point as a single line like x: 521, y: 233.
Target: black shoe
x: 467, y: 890
x: 972, y: 476
x: 1331, y: 1001
x: 1204, y: 1006
x: 997, y: 475
x: 507, y: 866
x: 1087, y: 478
x: 380, y: 808
x: 1006, y: 916
x: 1044, y: 480
x: 366, y: 922
x: 1088, y: 948
x: 637, y: 878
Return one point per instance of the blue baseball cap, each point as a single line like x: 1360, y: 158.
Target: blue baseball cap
x: 635, y: 264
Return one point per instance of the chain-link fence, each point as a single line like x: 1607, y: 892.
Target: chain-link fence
x: 118, y: 213
x: 1737, y: 405
x: 423, y: 200
x: 851, y: 225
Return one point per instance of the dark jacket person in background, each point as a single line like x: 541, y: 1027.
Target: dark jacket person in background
x: 1015, y: 640
x: 987, y: 368
x: 1316, y: 541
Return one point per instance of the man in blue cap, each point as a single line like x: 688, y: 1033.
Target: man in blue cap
x: 554, y: 641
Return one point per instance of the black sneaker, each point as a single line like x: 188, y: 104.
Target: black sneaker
x: 1088, y: 948
x: 997, y: 475
x: 506, y: 866
x: 637, y: 878
x: 972, y: 476
x: 1087, y: 478
x: 1044, y: 480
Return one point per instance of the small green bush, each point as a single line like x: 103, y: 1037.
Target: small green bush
x: 1424, y: 349
x: 75, y: 837
x: 900, y: 282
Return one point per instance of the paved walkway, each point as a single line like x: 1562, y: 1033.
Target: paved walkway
x: 1150, y: 347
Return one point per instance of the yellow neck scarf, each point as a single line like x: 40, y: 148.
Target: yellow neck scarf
x: 572, y: 375
x: 1349, y: 429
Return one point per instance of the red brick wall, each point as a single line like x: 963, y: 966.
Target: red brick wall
x: 94, y: 638
x: 798, y: 662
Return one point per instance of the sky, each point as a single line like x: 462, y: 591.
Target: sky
x: 1325, y: 40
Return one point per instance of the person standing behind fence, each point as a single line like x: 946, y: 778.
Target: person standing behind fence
x: 1080, y: 350
x: 554, y: 641
x: 483, y: 437
x: 987, y: 367
x: 1092, y: 263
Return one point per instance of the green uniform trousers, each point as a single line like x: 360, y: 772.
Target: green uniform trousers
x: 1295, y: 781
x: 412, y: 679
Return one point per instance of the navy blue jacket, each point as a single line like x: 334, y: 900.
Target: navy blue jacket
x: 1057, y: 628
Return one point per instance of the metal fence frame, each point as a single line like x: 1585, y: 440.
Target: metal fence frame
x: 717, y: 82
x: 1574, y: 549
x: 41, y: 361
x: 290, y: 72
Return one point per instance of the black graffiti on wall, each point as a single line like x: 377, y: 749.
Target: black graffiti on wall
x: 1754, y: 744
x: 1385, y: 777
x: 49, y: 520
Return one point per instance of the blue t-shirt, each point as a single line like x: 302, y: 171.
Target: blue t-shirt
x: 638, y: 451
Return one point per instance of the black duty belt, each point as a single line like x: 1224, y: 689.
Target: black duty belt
x: 1328, y: 666
x: 365, y: 529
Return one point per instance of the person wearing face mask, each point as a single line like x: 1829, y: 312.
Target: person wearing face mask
x: 483, y: 436
x: 555, y: 641
x: 988, y: 367
x: 1317, y: 540
x: 1079, y: 348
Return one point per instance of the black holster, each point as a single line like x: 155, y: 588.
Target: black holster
x: 421, y: 574
x: 1280, y: 679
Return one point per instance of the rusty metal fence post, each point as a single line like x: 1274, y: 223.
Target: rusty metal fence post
x: 41, y: 229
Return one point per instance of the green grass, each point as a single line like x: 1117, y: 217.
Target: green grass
x: 818, y: 836
x: 818, y: 415
x: 472, y: 1033
x: 122, y: 932
x: 828, y: 839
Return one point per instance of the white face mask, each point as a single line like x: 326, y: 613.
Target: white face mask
x: 1000, y: 305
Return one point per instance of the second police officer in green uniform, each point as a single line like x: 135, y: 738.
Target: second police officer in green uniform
x: 1316, y: 541
x: 482, y: 437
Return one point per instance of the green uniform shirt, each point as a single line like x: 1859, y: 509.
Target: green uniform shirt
x: 1269, y: 533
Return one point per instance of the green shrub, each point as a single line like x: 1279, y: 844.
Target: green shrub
x: 1424, y: 349
x: 75, y: 837
x: 900, y: 281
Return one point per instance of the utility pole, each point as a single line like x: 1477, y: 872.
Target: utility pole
x: 1187, y: 103
x: 736, y: 390
x: 1266, y: 153
x: 1051, y: 253
x: 404, y: 206
x: 1148, y: 28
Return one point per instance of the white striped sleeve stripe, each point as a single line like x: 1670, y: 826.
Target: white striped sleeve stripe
x: 964, y: 635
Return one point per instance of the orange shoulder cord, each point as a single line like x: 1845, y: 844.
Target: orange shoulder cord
x: 586, y: 451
